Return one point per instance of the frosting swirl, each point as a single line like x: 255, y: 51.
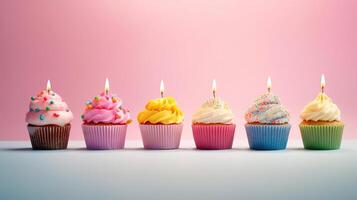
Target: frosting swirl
x: 321, y: 109
x: 107, y: 109
x: 213, y: 111
x: 48, y: 108
x: 161, y: 111
x: 267, y: 109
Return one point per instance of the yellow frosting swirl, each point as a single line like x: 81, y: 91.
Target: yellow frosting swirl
x: 321, y: 109
x: 161, y: 111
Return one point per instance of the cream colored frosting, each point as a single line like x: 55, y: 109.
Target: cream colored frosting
x: 321, y: 109
x: 213, y: 111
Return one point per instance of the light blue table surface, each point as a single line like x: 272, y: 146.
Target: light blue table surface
x: 186, y: 173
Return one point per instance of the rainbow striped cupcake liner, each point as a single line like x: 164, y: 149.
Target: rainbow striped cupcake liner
x: 267, y: 137
x: 321, y: 137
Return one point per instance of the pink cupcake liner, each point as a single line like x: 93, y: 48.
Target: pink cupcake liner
x: 213, y: 137
x: 104, y: 137
x: 161, y: 136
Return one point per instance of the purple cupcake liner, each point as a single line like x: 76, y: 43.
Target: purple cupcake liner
x: 213, y: 137
x: 104, y: 137
x: 160, y: 137
x: 49, y: 137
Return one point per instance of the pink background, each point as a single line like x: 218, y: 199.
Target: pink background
x: 77, y: 44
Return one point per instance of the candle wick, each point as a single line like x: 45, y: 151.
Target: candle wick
x: 322, y: 89
x: 214, y: 94
x: 162, y: 94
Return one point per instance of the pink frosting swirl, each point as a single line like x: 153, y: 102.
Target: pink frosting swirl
x: 107, y: 109
x: 48, y: 108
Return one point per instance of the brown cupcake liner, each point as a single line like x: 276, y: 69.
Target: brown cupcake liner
x: 49, y: 137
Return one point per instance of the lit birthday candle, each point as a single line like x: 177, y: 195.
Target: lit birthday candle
x: 269, y: 85
x: 214, y: 88
x: 106, y: 87
x: 323, y: 83
x: 162, y: 88
x: 48, y: 86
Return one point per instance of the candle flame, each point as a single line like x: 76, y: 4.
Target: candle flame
x: 323, y: 82
x: 106, y: 87
x: 162, y: 88
x: 269, y: 85
x: 48, y: 87
x: 214, y: 87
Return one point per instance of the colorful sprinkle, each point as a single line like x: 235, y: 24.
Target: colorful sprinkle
x: 31, y: 110
x: 37, y: 110
x: 32, y: 98
x: 88, y: 102
x: 54, y: 94
x: 45, y: 98
x: 82, y: 116
x: 55, y: 115
x: 89, y: 106
x: 97, y: 98
x: 42, y: 117
x: 51, y: 102
x: 114, y: 99
x: 47, y: 108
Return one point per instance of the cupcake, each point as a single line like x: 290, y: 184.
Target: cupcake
x: 105, y: 122
x: 161, y: 124
x: 321, y: 127
x: 212, y: 126
x: 267, y: 123
x: 48, y: 121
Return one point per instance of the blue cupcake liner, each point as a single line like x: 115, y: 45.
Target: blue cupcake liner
x: 267, y: 137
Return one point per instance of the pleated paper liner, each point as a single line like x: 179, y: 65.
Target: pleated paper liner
x: 213, y: 137
x: 161, y: 137
x: 321, y: 137
x: 104, y: 137
x: 50, y: 137
x: 267, y: 137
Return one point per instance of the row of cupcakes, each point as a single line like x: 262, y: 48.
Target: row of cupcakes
x: 105, y: 121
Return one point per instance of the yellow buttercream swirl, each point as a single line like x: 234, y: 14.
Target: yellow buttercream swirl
x: 321, y: 109
x: 161, y: 111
